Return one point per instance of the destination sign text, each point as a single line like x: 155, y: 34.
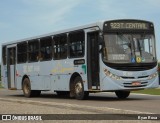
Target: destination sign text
x: 128, y: 25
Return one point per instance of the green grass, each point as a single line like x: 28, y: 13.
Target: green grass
x: 149, y: 91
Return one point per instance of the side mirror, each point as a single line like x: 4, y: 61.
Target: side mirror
x: 100, y: 40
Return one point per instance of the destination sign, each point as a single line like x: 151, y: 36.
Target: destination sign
x: 128, y: 25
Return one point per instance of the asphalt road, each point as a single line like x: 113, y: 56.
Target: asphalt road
x: 98, y: 101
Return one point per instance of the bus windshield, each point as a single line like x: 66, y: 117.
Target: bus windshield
x: 126, y: 48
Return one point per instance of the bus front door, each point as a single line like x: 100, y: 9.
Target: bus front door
x: 11, y: 67
x: 93, y: 60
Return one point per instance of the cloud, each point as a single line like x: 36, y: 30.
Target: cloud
x: 27, y: 18
x: 36, y: 14
x: 48, y: 11
x: 128, y: 9
x: 111, y: 10
x: 155, y: 3
x: 3, y: 25
x: 44, y: 2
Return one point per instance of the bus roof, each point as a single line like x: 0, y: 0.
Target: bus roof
x: 99, y: 24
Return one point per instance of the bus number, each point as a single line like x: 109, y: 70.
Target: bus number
x: 115, y: 25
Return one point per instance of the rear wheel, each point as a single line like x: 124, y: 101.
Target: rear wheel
x: 122, y: 94
x: 79, y: 92
x: 27, y: 89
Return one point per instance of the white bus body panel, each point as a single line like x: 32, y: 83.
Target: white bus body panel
x: 13, y: 76
x: 50, y: 75
x: 109, y: 84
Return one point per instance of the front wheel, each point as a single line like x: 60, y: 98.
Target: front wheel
x: 122, y: 94
x: 79, y: 92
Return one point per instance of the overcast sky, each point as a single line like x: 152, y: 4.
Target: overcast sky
x: 26, y: 18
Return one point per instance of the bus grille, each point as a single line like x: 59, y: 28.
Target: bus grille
x: 139, y: 77
x: 129, y: 85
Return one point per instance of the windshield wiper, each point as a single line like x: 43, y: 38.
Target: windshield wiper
x: 122, y: 37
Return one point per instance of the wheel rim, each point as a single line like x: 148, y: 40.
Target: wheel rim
x: 26, y: 88
x: 78, y: 88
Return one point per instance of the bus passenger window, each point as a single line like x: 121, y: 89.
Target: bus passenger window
x: 45, y: 49
x: 33, y: 50
x: 76, y: 44
x: 22, y: 52
x: 4, y: 55
x: 60, y: 46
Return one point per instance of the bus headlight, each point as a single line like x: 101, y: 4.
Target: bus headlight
x: 153, y: 75
x: 111, y: 75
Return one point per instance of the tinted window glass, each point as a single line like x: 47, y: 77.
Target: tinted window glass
x: 60, y: 46
x: 22, y: 52
x: 45, y: 49
x: 12, y: 56
x: 4, y: 55
x: 33, y: 50
x: 76, y: 44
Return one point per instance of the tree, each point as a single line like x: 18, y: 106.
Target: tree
x: 159, y: 71
x: 0, y: 72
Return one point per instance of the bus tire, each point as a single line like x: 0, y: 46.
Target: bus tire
x: 79, y: 92
x: 122, y: 94
x: 26, y: 86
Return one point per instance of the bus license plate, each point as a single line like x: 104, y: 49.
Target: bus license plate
x: 136, y: 83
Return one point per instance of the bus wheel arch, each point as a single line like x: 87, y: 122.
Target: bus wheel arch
x: 77, y: 87
x: 25, y: 76
x: 26, y: 87
x: 71, y: 84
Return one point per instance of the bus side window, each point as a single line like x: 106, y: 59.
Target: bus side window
x: 4, y: 55
x: 33, y: 50
x: 45, y: 49
x: 22, y: 52
x: 76, y: 44
x: 60, y: 46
